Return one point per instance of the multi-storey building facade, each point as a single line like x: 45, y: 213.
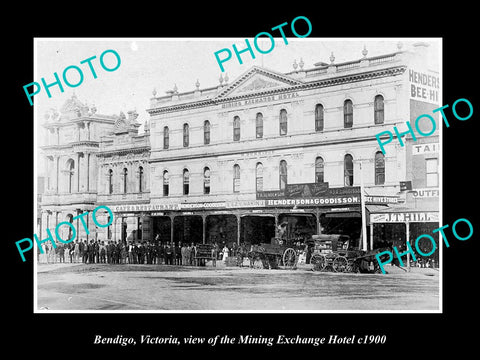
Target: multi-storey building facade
x: 237, y: 161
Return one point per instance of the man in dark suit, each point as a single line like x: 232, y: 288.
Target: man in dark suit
x: 114, y: 253
x: 140, y: 253
x: 96, y: 251
x: 108, y: 249
x: 82, y: 249
x: 169, y: 254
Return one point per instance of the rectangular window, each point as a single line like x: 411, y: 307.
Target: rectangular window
x: 431, y: 172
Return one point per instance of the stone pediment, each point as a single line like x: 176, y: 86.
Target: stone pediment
x: 257, y: 80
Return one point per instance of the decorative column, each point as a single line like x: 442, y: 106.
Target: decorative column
x: 55, y: 169
x: 371, y: 236
x: 78, y: 172
x: 172, y: 217
x: 88, y: 172
x: 146, y: 227
x: 204, y: 217
x: 238, y: 228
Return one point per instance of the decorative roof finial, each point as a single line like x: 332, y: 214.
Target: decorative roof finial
x: 399, y: 46
x: 332, y: 58
x: 220, y: 79
x: 295, y: 65
x: 154, y: 92
x: 197, y: 84
x: 301, y: 63
x: 226, y: 78
x: 364, y: 51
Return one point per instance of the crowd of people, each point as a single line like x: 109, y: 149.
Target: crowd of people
x: 129, y: 252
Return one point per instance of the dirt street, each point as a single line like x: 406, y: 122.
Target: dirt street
x: 159, y: 287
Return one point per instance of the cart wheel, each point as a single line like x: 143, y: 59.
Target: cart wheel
x: 239, y: 260
x: 289, y: 258
x: 340, y: 264
x: 273, y: 262
x: 352, y: 266
x: 257, y: 262
x: 318, y: 261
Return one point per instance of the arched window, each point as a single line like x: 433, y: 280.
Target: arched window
x: 110, y: 181
x: 206, y: 180
x: 378, y: 109
x: 206, y: 132
x: 283, y: 175
x: 166, y: 138
x: 236, y: 128
x: 347, y: 114
x: 124, y: 174
x: 186, y: 182
x: 283, y: 122
x: 319, y: 117
x: 236, y: 178
x: 70, y: 173
x: 379, y: 168
x: 259, y: 125
x: 348, y: 170
x: 259, y: 176
x: 186, y: 135
x: 165, y: 183
x: 140, y: 179
x: 319, y: 170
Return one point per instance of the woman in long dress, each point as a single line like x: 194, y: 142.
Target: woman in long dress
x: 225, y: 253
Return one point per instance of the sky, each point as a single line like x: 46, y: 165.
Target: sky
x: 159, y: 64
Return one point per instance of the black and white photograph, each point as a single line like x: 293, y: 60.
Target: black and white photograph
x: 251, y: 179
x: 196, y: 181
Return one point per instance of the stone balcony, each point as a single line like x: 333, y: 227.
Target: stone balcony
x: 138, y: 198
x: 69, y: 198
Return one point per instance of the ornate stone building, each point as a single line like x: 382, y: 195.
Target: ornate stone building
x: 232, y: 162
x: 81, y: 154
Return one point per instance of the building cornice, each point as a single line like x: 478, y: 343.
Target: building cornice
x: 316, y: 84
x: 124, y: 151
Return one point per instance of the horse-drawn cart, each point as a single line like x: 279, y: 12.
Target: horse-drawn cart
x: 279, y: 253
x: 337, y: 253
